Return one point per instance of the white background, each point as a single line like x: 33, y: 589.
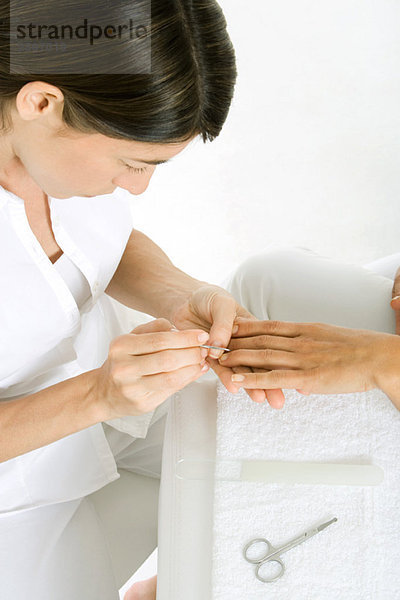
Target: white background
x: 309, y: 154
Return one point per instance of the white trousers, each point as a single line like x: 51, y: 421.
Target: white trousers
x: 88, y: 548
x: 299, y: 285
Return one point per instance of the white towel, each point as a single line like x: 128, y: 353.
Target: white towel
x: 356, y: 558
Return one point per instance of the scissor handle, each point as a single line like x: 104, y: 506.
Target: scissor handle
x: 261, y: 559
x: 268, y: 579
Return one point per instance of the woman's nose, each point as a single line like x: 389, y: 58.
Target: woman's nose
x: 136, y: 188
x: 134, y: 184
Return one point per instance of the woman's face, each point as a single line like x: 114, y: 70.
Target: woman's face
x: 74, y: 164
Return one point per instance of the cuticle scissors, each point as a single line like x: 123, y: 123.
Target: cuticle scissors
x: 273, y: 554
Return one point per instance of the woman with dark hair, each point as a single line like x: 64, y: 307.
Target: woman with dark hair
x: 82, y: 128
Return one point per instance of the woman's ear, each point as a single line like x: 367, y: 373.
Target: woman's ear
x: 35, y: 98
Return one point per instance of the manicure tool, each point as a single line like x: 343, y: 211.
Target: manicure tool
x: 217, y: 347
x: 273, y: 554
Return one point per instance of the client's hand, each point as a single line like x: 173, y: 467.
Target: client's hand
x: 315, y: 358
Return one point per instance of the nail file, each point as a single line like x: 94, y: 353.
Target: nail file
x: 309, y: 473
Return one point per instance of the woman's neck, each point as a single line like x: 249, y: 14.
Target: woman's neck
x: 7, y: 154
x: 13, y: 173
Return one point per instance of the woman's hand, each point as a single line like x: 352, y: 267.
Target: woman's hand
x: 316, y: 358
x: 146, y: 366
x: 213, y: 309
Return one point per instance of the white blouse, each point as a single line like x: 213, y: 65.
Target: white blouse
x: 74, y: 278
x: 56, y: 322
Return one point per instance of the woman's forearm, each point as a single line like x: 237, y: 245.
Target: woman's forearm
x: 53, y: 413
x: 146, y: 279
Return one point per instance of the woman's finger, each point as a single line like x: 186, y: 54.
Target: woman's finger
x: 279, y: 379
x: 316, y: 330
x: 148, y: 343
x: 397, y: 317
x: 264, y: 359
x: 223, y: 312
x: 275, y: 397
x: 396, y: 285
x: 160, y: 362
x: 395, y: 302
x: 284, y: 328
x: 275, y: 342
x: 225, y: 374
x: 255, y: 395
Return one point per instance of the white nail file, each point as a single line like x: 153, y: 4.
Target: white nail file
x: 271, y: 471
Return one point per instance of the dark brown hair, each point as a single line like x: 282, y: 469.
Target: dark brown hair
x: 188, y: 91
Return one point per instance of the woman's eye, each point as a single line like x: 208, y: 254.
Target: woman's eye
x: 135, y: 169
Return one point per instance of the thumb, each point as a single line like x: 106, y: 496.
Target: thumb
x: 223, y: 313
x: 395, y: 302
x: 396, y: 308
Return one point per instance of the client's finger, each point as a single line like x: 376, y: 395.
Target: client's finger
x: 255, y: 395
x: 274, y: 342
x: 264, y: 359
x: 276, y: 398
x: 279, y: 379
x: 225, y: 374
x: 251, y: 327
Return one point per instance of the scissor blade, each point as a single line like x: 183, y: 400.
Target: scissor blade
x: 302, y: 538
x: 321, y: 527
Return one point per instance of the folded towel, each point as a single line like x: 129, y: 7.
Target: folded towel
x: 355, y: 558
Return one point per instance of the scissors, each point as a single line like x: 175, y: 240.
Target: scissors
x: 272, y: 554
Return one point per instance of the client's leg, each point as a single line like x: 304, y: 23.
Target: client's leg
x: 386, y: 266
x: 296, y: 284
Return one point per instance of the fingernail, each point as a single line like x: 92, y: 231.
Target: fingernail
x: 223, y: 357
x: 203, y: 337
x: 395, y: 298
x: 216, y: 353
x: 174, y: 329
x: 235, y: 329
x: 237, y: 378
x: 203, y: 352
x: 205, y: 368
